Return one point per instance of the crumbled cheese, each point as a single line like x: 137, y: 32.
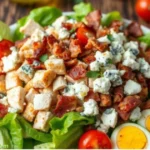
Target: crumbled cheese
x: 144, y: 67
x: 37, y: 35
x: 110, y: 67
x: 110, y: 117
x: 81, y: 90
x: 101, y: 127
x: 101, y: 85
x: 27, y: 69
x: 104, y: 39
x: 50, y: 30
x: 69, y: 90
x: 103, y: 58
x: 10, y: 61
x: 132, y: 46
x: 128, y: 54
x: 131, y: 87
x: 90, y: 108
x: 131, y: 63
x: 63, y: 33
x: 95, y: 66
x: 114, y: 76
x: 135, y: 114
x: 120, y: 37
x: 143, y: 46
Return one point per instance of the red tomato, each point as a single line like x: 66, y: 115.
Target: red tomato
x: 5, y: 48
x: 83, y: 34
x: 94, y: 139
x: 143, y: 9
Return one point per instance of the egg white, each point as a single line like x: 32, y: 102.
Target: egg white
x: 116, y: 131
x: 145, y: 114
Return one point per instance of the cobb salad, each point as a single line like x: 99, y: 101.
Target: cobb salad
x: 79, y: 80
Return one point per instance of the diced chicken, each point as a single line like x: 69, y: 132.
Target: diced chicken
x: 59, y: 83
x: 41, y: 120
x: 25, y: 72
x: 42, y: 101
x: 16, y: 98
x: 28, y: 86
x: 43, y: 78
x: 12, y: 80
x: 2, y: 77
x: 57, y: 65
x: 90, y: 82
x: 29, y: 113
x: 69, y: 79
x: 29, y: 27
x: 2, y: 87
x: 30, y: 95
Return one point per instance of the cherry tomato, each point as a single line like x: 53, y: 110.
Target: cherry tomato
x: 5, y: 48
x: 3, y: 110
x: 142, y: 8
x: 94, y: 139
x: 83, y: 34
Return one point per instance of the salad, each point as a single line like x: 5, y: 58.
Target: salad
x: 79, y: 80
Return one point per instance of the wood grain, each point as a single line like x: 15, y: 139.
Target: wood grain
x: 11, y: 12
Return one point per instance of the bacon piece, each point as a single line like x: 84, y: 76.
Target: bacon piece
x: 75, y: 48
x: 116, y: 25
x: 127, y: 105
x: 134, y: 29
x: 77, y: 72
x: 118, y: 94
x: 65, y: 55
x: 102, y: 32
x: 65, y: 104
x: 90, y: 58
x: 95, y: 45
x: 67, y: 25
x: 92, y: 95
x: 57, y: 49
x: 93, y: 19
x: 105, y: 100
x: 146, y: 105
x: 3, y: 110
x: 51, y: 40
x: 71, y: 62
x: 128, y: 72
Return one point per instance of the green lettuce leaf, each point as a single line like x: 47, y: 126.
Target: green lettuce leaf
x: 5, y: 139
x: 44, y: 16
x: 30, y: 132
x: 66, y: 130
x: 81, y: 10
x: 109, y: 17
x: 5, y: 31
x: 145, y: 39
x: 10, y: 122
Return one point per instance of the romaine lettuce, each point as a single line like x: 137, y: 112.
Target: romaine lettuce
x: 145, y: 39
x: 44, y: 16
x: 5, y: 31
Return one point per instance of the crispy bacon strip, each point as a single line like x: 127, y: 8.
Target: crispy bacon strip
x: 134, y: 29
x: 105, y: 100
x: 77, y: 72
x: 118, y: 94
x: 90, y: 58
x: 93, y: 19
x: 65, y: 104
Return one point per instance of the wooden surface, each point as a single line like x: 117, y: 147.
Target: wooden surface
x: 11, y: 12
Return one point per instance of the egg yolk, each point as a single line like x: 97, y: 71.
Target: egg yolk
x: 147, y: 123
x: 131, y: 137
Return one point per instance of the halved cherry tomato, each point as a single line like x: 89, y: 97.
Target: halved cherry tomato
x: 142, y: 8
x: 94, y: 139
x: 83, y: 34
x: 5, y: 48
x: 3, y: 110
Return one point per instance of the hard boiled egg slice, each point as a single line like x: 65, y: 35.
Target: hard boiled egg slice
x: 130, y: 136
x: 145, y: 119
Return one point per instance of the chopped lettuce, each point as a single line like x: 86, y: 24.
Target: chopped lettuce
x: 145, y: 39
x: 66, y: 130
x: 109, y: 17
x: 29, y: 132
x: 44, y: 16
x: 11, y: 123
x: 5, y: 31
x: 81, y: 10
x: 5, y: 139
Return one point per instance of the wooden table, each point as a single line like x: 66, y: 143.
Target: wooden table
x: 11, y: 12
